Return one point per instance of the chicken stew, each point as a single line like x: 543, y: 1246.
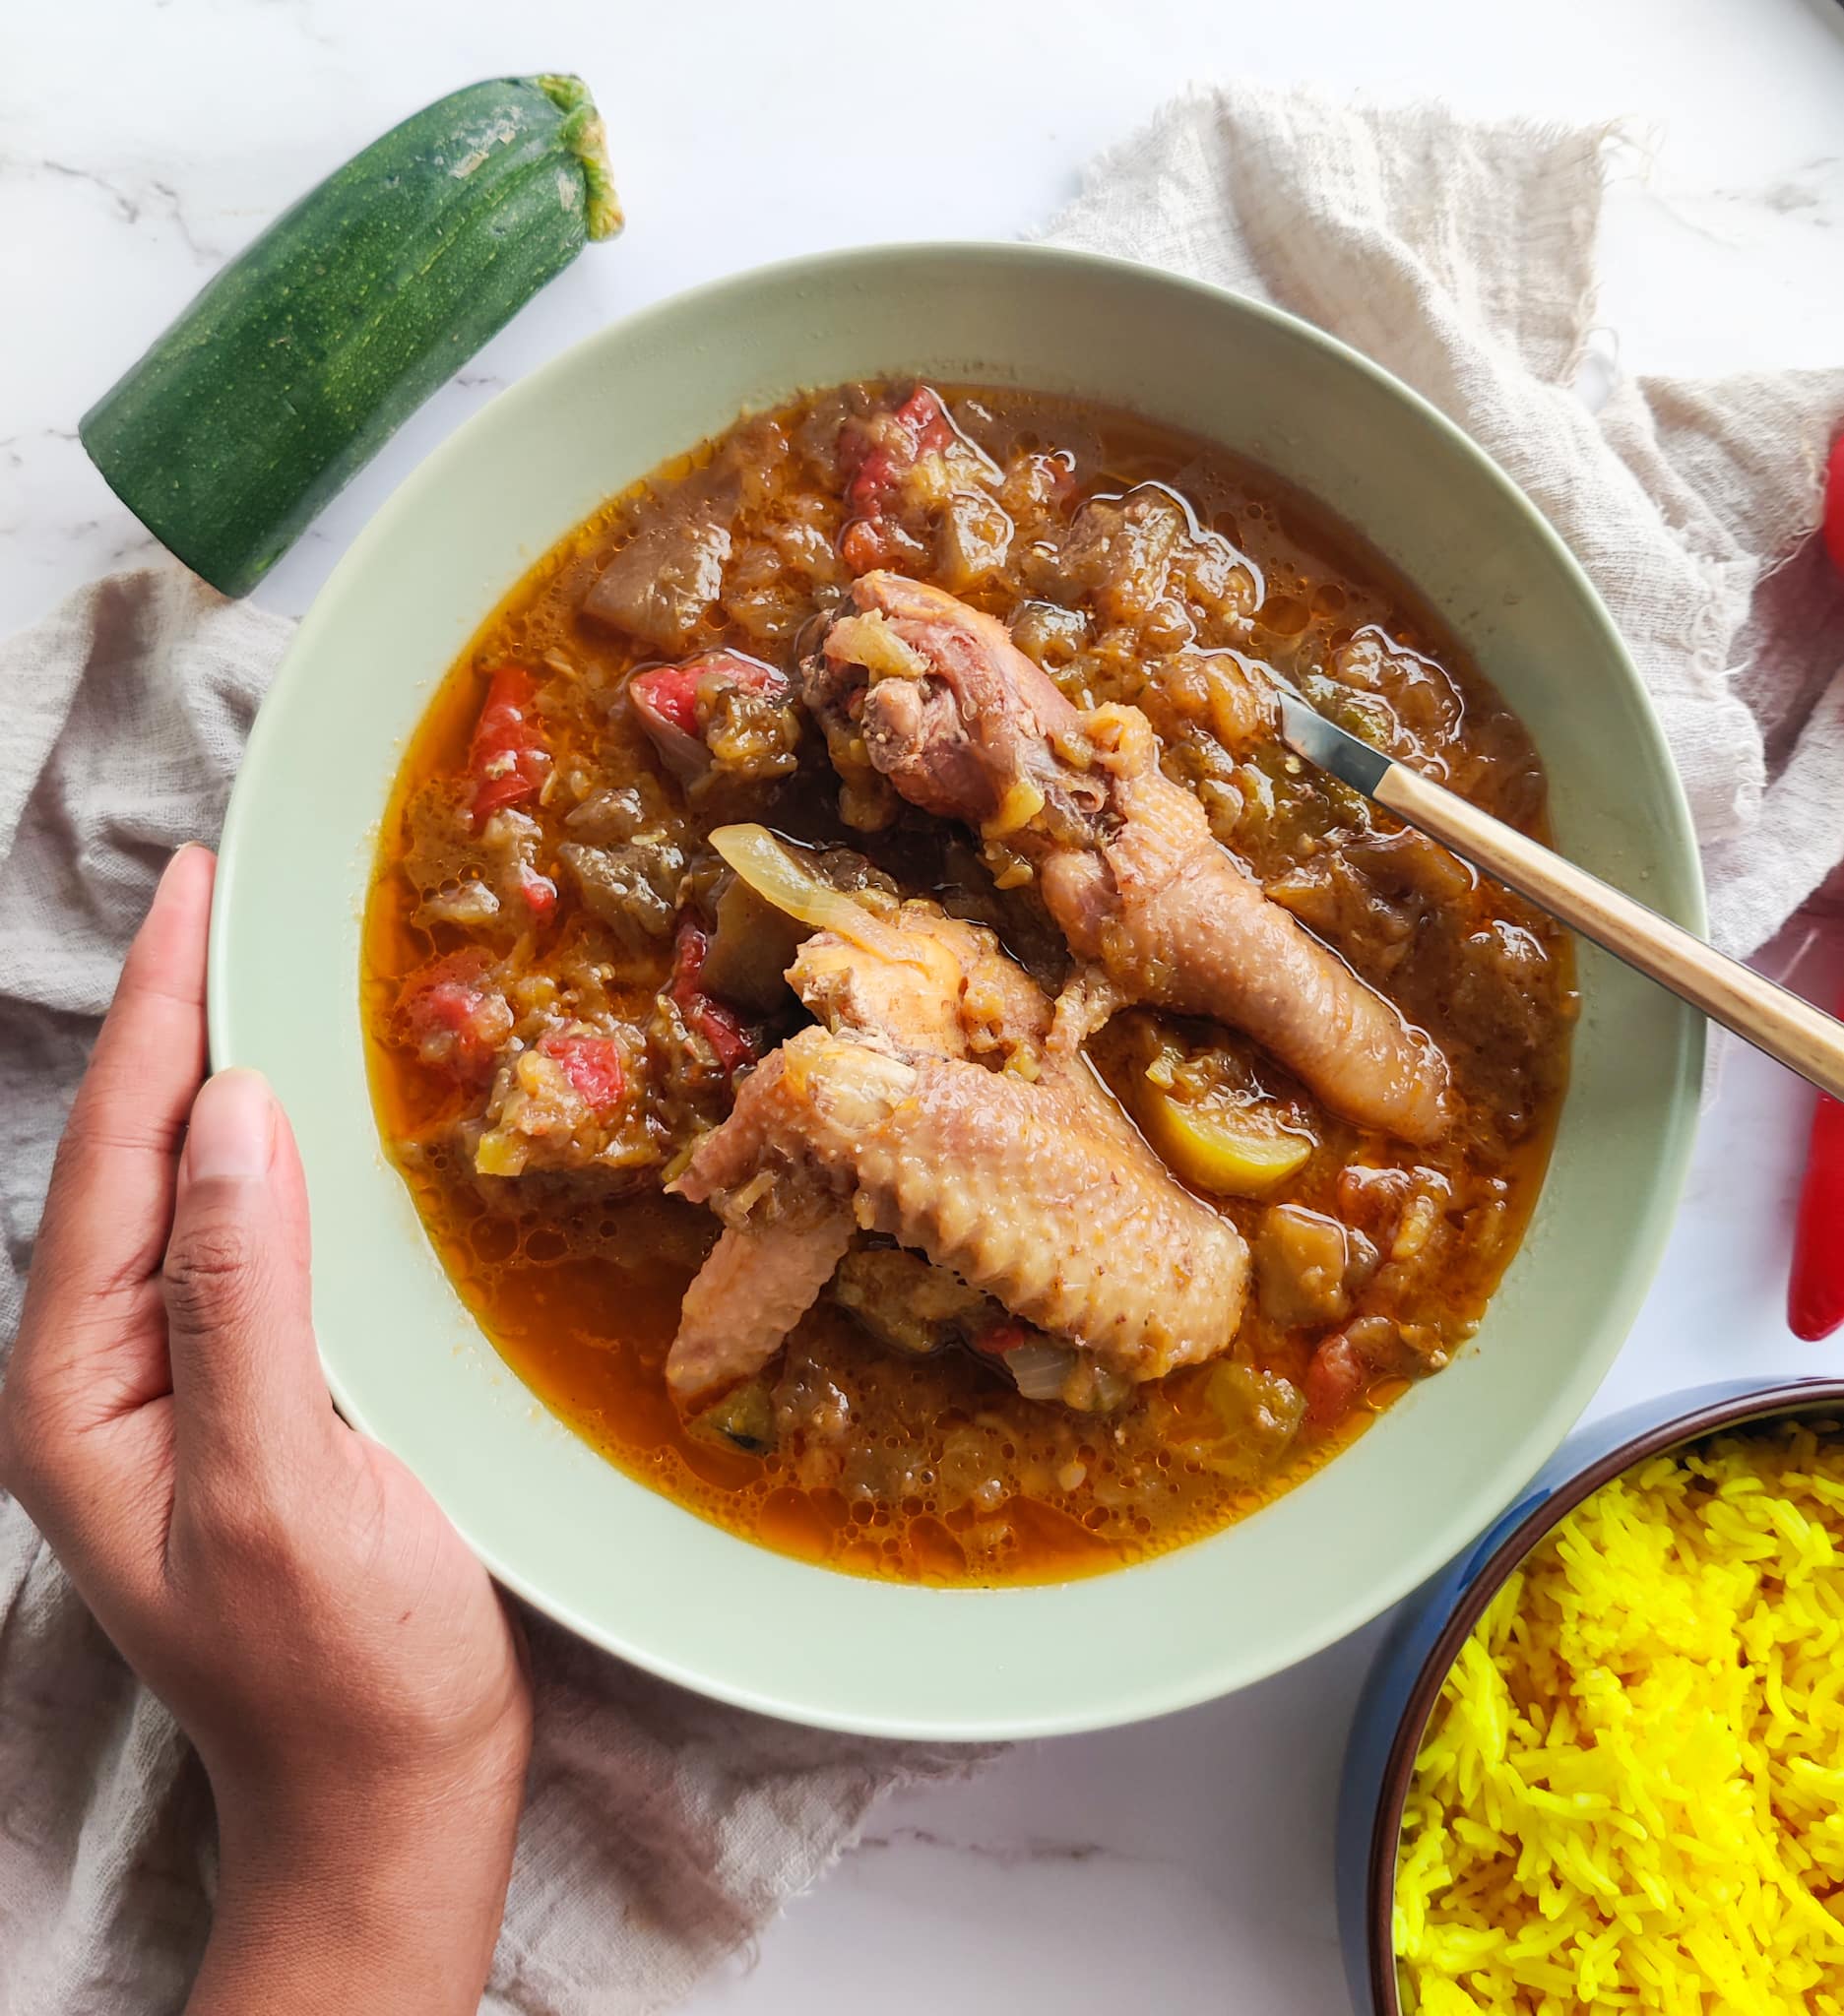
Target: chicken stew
x: 888, y: 1043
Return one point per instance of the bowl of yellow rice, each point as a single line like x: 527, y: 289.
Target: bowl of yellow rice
x: 1599, y: 1763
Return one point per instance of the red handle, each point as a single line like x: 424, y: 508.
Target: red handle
x: 1814, y: 1295
x: 1834, y: 505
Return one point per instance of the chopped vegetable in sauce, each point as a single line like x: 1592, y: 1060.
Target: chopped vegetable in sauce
x: 772, y: 989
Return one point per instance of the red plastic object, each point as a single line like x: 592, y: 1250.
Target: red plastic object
x: 1814, y: 1295
x: 1834, y: 505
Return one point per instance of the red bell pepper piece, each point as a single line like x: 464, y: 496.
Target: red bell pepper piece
x: 506, y: 759
x: 453, y: 1019
x: 593, y: 1066
x: 1336, y: 1374
x: 719, y: 1026
x: 926, y: 429
x: 539, y: 891
x: 671, y: 692
x: 1004, y: 1335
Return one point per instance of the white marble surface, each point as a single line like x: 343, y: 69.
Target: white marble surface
x: 1185, y: 1864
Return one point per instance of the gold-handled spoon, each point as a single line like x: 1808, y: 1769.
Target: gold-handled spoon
x: 1790, y: 1030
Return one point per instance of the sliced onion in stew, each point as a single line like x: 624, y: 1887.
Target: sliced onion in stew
x: 780, y: 877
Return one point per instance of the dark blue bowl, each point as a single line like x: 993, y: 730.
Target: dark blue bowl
x: 1434, y: 1623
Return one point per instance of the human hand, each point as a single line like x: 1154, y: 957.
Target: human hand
x: 340, y: 1661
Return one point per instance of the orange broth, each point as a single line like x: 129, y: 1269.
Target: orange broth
x: 942, y: 1473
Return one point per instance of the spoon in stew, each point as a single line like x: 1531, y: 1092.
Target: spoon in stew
x: 1788, y: 1028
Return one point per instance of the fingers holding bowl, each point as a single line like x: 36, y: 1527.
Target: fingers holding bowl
x: 89, y: 1341
x: 246, y: 1375
x: 86, y: 1427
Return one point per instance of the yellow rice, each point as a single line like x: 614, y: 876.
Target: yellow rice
x: 1631, y: 1790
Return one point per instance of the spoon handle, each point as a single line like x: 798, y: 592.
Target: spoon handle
x: 1790, y: 1030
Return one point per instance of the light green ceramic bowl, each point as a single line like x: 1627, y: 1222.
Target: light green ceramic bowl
x: 632, y: 1571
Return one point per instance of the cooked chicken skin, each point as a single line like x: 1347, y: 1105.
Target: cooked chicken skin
x: 758, y: 1283
x: 941, y: 987
x: 939, y: 1108
x: 1021, y: 1189
x: 949, y: 710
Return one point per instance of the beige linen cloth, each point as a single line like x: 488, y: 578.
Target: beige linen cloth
x: 663, y: 1832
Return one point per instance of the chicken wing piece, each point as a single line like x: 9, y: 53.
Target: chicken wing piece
x: 904, y: 982
x: 945, y: 1105
x: 758, y: 1283
x: 767, y: 1173
x: 943, y: 705
x: 1031, y: 1192
x: 943, y: 988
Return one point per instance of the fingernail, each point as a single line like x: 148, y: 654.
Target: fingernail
x: 176, y: 858
x: 232, y: 1131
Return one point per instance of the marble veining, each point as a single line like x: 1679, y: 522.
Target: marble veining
x: 1006, y: 1854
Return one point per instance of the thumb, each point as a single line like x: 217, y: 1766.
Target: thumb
x: 239, y: 1321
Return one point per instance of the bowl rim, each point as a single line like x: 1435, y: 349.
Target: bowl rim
x: 1225, y: 1672
x: 1786, y: 1401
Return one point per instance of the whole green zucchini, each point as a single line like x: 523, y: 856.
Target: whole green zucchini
x: 307, y: 354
